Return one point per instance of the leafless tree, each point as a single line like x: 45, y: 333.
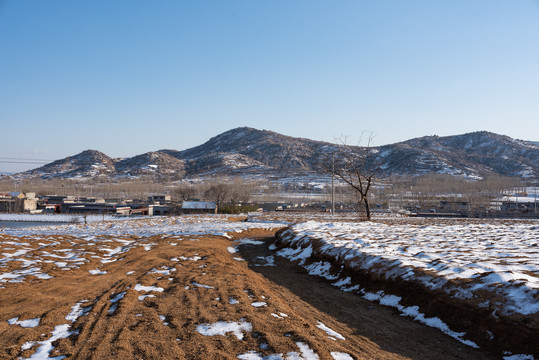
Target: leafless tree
x: 218, y: 193
x: 357, y: 166
x: 241, y: 191
x: 185, y: 192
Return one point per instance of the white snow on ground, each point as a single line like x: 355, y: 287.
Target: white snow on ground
x: 340, y: 356
x: 148, y: 247
x: 259, y: 304
x: 232, y: 250
x: 30, y: 323
x: 22, y: 251
x: 223, y: 327
x: 306, y: 353
x: 265, y: 261
x: 139, y: 287
x: 201, y: 285
x: 413, y: 311
x: 67, y: 218
x: 148, y: 226
x: 330, y: 332
x: 97, y: 272
x: 519, y: 357
x: 253, y: 355
x: 114, y: 301
x: 59, y: 332
x: 17, y: 276
x: 194, y: 258
x: 163, y: 318
x: 164, y: 270
x: 499, y: 258
x: 250, y: 242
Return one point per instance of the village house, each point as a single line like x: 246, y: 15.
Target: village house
x: 199, y: 207
x: 17, y: 202
x: 160, y: 199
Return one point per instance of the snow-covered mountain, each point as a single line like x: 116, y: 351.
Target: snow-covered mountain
x: 249, y: 151
x: 472, y: 154
x: 87, y: 164
x: 151, y: 163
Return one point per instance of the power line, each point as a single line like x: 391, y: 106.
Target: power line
x: 15, y: 158
x: 22, y: 162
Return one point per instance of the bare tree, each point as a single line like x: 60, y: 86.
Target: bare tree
x: 356, y: 166
x: 218, y: 193
x: 242, y: 191
x: 185, y: 192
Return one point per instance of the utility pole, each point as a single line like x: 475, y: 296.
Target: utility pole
x: 333, y: 187
x: 535, y: 199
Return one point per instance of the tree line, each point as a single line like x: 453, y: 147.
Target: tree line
x: 231, y: 192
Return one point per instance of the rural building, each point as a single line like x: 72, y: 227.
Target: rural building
x: 17, y: 195
x: 161, y: 199
x: 161, y: 209
x: 124, y: 210
x: 92, y: 208
x: 17, y: 202
x: 199, y: 207
x: 519, y: 204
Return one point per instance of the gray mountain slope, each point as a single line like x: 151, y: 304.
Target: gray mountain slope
x: 248, y: 151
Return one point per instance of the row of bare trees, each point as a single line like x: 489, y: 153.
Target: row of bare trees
x: 221, y: 191
x: 429, y: 189
x: 139, y: 188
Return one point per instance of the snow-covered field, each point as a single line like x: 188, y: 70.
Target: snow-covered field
x: 148, y: 226
x: 56, y: 218
x: 499, y: 258
x: 492, y: 266
x: 29, y: 252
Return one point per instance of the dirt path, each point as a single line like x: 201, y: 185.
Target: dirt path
x: 371, y: 330
x: 194, y: 285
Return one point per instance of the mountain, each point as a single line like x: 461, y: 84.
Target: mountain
x: 472, y: 154
x: 151, y: 163
x: 87, y: 164
x: 248, y: 149
x: 252, y: 152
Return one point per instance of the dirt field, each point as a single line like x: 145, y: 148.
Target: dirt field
x: 196, y: 283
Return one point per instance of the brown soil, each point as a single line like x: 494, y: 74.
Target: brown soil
x: 135, y: 330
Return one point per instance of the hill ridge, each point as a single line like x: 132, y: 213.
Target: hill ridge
x: 249, y: 151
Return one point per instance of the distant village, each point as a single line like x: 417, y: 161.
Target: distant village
x: 17, y: 202
x: 521, y: 205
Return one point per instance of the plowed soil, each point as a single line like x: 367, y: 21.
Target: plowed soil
x: 206, y: 278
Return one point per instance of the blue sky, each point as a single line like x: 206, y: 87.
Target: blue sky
x: 127, y: 77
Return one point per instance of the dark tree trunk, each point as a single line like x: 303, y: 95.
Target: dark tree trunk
x: 367, y: 208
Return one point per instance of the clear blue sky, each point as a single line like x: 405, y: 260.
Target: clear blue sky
x: 127, y: 77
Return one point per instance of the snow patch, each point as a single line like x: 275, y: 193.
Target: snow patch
x: 330, y: 331
x: 223, y: 327
x: 30, y: 323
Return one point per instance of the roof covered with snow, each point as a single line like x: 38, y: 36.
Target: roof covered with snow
x: 199, y: 205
